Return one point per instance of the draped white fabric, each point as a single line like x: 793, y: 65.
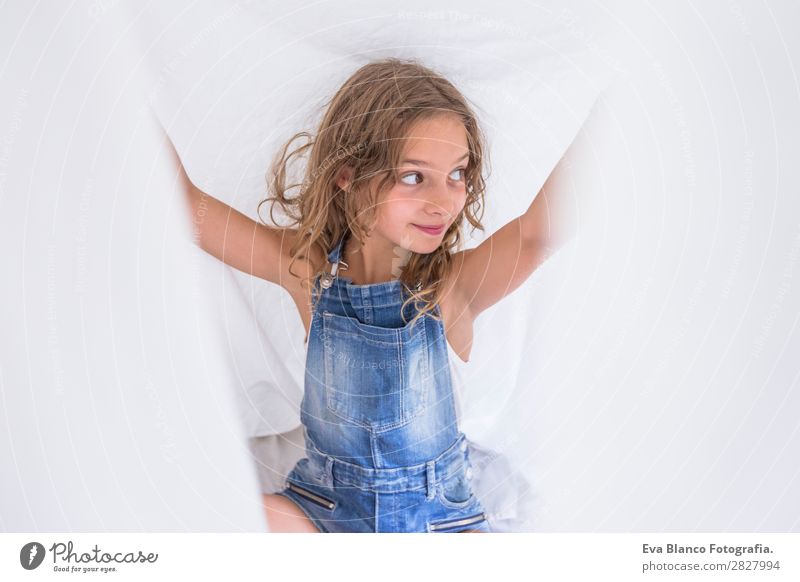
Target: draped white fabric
x: 230, y: 104
x: 111, y: 371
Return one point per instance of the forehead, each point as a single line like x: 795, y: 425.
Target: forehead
x: 438, y: 140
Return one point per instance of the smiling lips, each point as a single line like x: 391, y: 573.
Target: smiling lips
x: 433, y: 230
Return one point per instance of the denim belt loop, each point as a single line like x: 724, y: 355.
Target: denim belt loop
x: 328, y: 471
x: 431, y: 480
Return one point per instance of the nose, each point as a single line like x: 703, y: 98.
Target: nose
x: 441, y: 201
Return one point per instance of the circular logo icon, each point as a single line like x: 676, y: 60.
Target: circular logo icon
x: 31, y: 555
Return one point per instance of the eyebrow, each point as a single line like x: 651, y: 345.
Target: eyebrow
x: 421, y: 163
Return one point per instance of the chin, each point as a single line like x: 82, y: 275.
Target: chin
x: 426, y: 247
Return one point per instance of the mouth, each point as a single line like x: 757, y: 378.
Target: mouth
x: 432, y: 230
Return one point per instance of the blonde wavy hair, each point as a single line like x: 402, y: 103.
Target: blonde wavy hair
x: 363, y: 127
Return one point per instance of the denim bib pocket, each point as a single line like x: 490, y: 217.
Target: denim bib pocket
x: 376, y: 377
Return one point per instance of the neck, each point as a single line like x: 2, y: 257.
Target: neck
x: 378, y: 260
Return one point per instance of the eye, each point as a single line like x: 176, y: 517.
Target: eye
x: 411, y: 174
x: 463, y: 172
x: 402, y: 178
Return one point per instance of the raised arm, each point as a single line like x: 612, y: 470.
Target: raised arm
x: 239, y: 241
x: 501, y: 263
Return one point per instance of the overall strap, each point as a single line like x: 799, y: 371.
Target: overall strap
x: 335, y: 259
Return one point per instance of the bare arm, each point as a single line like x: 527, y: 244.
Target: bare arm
x: 505, y: 260
x: 239, y: 241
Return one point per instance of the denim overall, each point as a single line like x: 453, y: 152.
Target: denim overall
x: 383, y: 451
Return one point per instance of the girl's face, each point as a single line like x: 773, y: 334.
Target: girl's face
x: 430, y: 189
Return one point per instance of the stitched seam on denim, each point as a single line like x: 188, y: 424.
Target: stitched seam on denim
x: 362, y: 337
x: 372, y: 427
x: 366, y: 306
x: 347, y: 420
x: 389, y: 304
x: 380, y: 428
x: 376, y: 428
x: 377, y: 515
x: 373, y: 450
x: 374, y: 339
x: 347, y: 471
x: 367, y: 482
x: 401, y: 381
x: 411, y: 470
x: 398, y: 485
x: 380, y: 489
x: 430, y: 381
x: 406, y: 331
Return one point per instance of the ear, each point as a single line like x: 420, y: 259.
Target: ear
x: 343, y: 178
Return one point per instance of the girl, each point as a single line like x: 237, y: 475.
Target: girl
x: 393, y: 172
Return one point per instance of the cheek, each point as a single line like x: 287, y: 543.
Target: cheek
x: 460, y: 204
x: 395, y: 223
x: 462, y: 201
x: 397, y: 211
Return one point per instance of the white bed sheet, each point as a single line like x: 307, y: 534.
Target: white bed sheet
x: 228, y: 103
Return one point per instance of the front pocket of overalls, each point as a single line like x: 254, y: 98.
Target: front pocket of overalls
x: 455, y: 491
x: 374, y: 376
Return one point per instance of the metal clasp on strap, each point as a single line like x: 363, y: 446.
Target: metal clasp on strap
x: 327, y: 278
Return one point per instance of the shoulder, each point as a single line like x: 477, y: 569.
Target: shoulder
x: 308, y: 259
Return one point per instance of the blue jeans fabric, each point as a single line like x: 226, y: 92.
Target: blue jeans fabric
x: 383, y: 450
